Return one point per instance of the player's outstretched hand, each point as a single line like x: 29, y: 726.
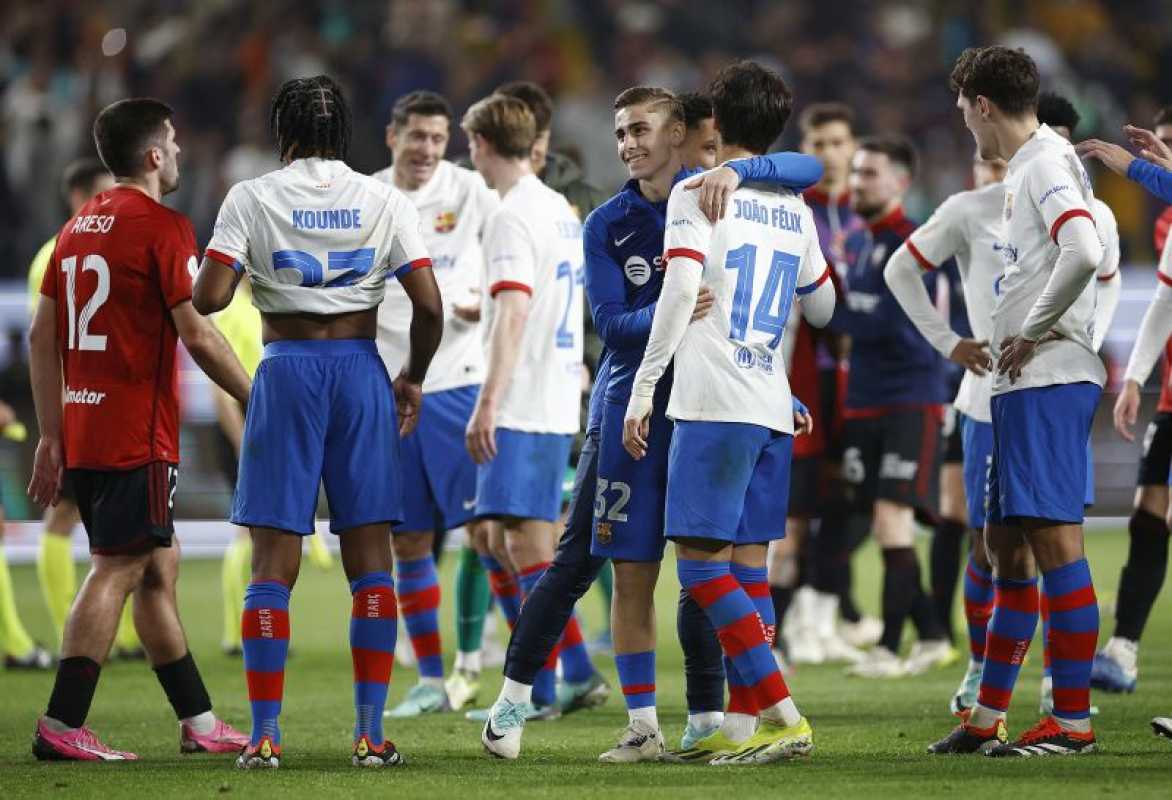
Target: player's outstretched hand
x: 716, y: 187
x: 408, y: 400
x: 803, y: 423
x: 973, y: 355
x: 48, y: 473
x: 1151, y: 147
x: 704, y: 301
x: 1114, y: 157
x: 1127, y: 410
x: 480, y: 435
x: 637, y: 425
x: 1016, y: 351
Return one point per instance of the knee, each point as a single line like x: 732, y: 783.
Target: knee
x: 411, y: 545
x: 893, y: 525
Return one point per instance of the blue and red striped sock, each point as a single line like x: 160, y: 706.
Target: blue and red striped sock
x: 637, y: 677
x: 419, y: 599
x: 755, y: 582
x: 1044, y: 613
x: 1011, y: 629
x: 264, y: 632
x: 978, y: 606
x: 738, y: 626
x: 576, y: 664
x: 374, y: 625
x: 504, y: 589
x: 1074, y: 632
x: 545, y: 684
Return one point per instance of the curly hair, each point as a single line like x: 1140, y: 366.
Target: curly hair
x: 310, y: 117
x: 1007, y: 77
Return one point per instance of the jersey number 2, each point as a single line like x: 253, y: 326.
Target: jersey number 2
x: 782, y: 280
x: 79, y: 325
x: 565, y: 336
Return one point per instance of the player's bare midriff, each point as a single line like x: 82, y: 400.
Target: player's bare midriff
x: 352, y: 325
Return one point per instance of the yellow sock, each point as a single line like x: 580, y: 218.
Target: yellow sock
x: 58, y: 577
x: 127, y: 636
x: 233, y: 581
x: 14, y: 639
x: 320, y: 555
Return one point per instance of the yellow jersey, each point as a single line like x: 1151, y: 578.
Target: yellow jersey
x: 240, y: 324
x: 36, y: 272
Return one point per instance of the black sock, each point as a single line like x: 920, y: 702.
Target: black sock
x: 73, y: 690
x: 924, y: 617
x: 703, y: 664
x: 839, y: 535
x: 1143, y: 574
x: 944, y: 569
x: 184, y: 687
x: 782, y: 597
x: 901, y: 580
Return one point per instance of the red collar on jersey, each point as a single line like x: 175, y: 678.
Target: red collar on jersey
x: 893, y: 220
x: 824, y: 198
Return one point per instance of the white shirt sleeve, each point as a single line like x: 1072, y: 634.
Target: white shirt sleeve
x: 815, y: 290
x: 1156, y: 326
x: 229, y: 244
x: 509, y: 254
x: 688, y: 235
x: 940, y: 238
x: 1109, y: 281
x: 407, y: 251
x: 904, y: 275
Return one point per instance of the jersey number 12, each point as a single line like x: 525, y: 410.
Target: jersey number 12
x: 79, y: 325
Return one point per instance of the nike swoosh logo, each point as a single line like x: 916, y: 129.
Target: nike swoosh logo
x: 492, y: 735
x: 470, y: 504
x: 102, y: 755
x: 619, y: 242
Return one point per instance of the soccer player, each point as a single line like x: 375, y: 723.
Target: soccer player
x: 318, y: 242
x: 1045, y: 389
x: 810, y: 633
x: 56, y: 571
x: 623, y: 241
x: 1116, y: 666
x: 728, y: 466
x: 893, y: 409
x: 439, y: 477
x: 698, y: 150
x: 116, y: 298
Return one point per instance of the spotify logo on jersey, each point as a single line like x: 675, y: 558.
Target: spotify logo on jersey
x: 638, y: 270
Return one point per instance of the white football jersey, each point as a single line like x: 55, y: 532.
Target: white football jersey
x: 1045, y: 186
x: 317, y: 237
x: 967, y: 226
x: 453, y: 207
x: 729, y: 366
x: 533, y: 243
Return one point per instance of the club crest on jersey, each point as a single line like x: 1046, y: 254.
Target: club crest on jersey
x: 1008, y: 205
x: 445, y: 222
x: 637, y: 270
x: 604, y: 533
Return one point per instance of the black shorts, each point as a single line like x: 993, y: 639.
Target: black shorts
x: 894, y: 457
x: 1157, y: 452
x: 126, y: 512
x: 953, y: 442
x: 804, y: 479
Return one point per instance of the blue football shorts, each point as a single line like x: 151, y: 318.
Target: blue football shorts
x: 439, y: 476
x: 524, y: 480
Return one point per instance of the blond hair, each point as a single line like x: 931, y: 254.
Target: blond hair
x: 505, y: 122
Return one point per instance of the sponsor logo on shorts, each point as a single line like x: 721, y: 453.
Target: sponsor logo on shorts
x: 893, y: 467
x: 604, y: 533
x: 85, y: 397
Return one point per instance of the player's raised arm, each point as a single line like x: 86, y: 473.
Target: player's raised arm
x: 937, y: 240
x: 45, y: 369
x: 793, y: 170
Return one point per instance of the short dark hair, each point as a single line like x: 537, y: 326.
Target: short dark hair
x: 697, y: 108
x: 532, y: 95
x: 421, y: 102
x: 898, y: 149
x: 816, y: 115
x: 1007, y: 77
x: 310, y: 117
x: 1054, y: 109
x: 123, y: 131
x: 653, y: 96
x: 81, y: 174
x: 1163, y: 116
x: 750, y: 105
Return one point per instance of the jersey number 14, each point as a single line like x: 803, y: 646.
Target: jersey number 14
x: 777, y: 296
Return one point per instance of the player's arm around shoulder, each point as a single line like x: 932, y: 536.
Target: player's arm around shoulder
x: 815, y: 289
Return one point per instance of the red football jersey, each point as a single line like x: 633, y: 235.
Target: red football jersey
x: 119, y: 268
x: 1163, y: 222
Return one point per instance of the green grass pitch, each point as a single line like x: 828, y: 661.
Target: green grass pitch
x: 870, y: 736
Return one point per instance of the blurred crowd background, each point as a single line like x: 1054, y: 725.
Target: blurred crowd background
x: 218, y: 62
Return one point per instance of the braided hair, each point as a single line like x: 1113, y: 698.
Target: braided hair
x: 310, y: 117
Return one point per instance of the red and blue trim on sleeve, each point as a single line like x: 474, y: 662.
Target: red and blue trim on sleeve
x: 813, y: 286
x: 225, y: 259
x: 411, y: 266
